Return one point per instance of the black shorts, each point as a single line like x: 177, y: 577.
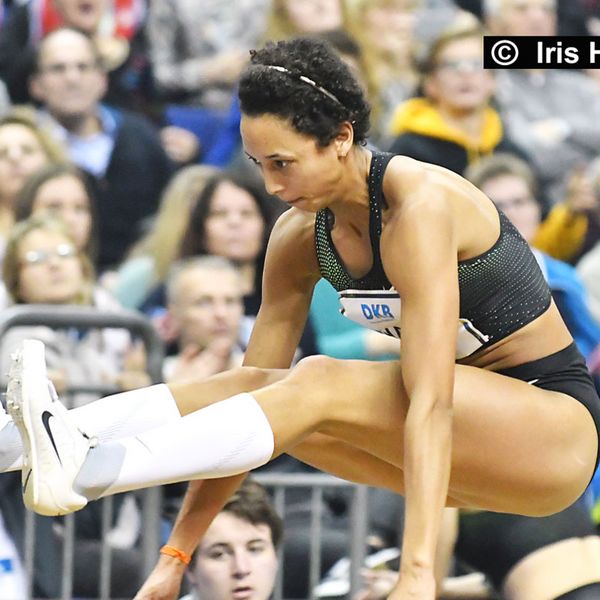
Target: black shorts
x: 494, y: 543
x: 566, y: 372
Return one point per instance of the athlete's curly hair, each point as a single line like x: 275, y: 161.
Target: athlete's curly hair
x: 269, y: 91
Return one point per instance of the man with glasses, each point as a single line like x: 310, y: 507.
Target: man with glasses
x: 121, y: 151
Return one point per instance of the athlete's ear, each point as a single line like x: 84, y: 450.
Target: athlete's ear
x: 344, y: 139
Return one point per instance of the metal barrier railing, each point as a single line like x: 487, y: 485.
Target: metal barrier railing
x: 57, y: 317
x: 317, y: 483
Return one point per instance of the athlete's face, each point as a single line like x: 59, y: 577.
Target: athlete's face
x: 512, y: 196
x: 293, y: 165
x: 66, y: 198
x: 236, y: 560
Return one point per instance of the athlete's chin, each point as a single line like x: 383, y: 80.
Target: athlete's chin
x: 305, y: 204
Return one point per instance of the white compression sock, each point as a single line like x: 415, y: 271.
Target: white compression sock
x: 127, y: 413
x: 110, y: 418
x: 225, y: 438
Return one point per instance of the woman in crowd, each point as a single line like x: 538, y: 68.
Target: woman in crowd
x: 24, y: 148
x: 62, y: 191
x: 44, y: 265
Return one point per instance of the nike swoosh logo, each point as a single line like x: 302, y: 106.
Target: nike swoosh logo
x: 46, y: 416
x: 26, y: 480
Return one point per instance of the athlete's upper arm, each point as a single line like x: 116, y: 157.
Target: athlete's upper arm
x: 290, y: 273
x: 419, y: 252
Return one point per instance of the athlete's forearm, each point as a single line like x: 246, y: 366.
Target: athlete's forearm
x: 202, y: 502
x: 427, y: 446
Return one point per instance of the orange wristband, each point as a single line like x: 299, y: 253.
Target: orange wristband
x: 184, y: 557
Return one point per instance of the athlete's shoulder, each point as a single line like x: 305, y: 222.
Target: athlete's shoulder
x: 292, y: 244
x: 408, y: 180
x: 296, y: 225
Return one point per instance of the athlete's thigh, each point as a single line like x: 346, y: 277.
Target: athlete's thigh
x: 515, y: 447
x: 535, y: 448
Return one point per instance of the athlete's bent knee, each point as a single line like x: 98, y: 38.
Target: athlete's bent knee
x: 317, y: 367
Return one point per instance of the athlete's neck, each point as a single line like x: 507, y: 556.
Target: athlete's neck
x: 352, y: 200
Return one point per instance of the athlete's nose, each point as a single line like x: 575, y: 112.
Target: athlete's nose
x: 272, y: 186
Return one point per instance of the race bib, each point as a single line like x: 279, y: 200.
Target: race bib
x: 380, y: 311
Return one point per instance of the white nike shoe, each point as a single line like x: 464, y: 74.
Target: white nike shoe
x: 53, y: 446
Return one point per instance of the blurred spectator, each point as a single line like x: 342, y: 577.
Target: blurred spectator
x: 349, y: 51
x: 391, y: 33
x: 575, y: 17
x: 572, y: 226
x: 116, y: 27
x: 62, y: 191
x: 288, y: 18
x: 237, y: 557
x: 44, y: 266
x: 198, y: 50
x: 149, y: 260
x: 506, y: 181
x: 232, y: 218
x: 205, y: 309
x: 452, y: 124
x: 24, y: 148
x: 5, y: 102
x: 120, y: 150
x: 522, y: 558
x: 385, y: 31
x: 554, y: 115
x: 588, y: 268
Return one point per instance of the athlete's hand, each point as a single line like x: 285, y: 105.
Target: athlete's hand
x: 377, y: 584
x: 164, y: 582
x: 414, y: 585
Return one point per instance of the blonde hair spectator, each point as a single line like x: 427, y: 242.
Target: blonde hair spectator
x: 161, y: 245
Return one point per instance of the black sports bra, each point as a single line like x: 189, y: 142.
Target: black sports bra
x: 501, y: 290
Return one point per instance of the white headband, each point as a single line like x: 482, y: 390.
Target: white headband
x: 306, y: 80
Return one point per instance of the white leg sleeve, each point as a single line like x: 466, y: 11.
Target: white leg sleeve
x: 226, y: 438
x: 127, y: 413
x: 110, y: 418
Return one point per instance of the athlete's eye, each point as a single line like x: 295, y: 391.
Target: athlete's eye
x: 281, y: 164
